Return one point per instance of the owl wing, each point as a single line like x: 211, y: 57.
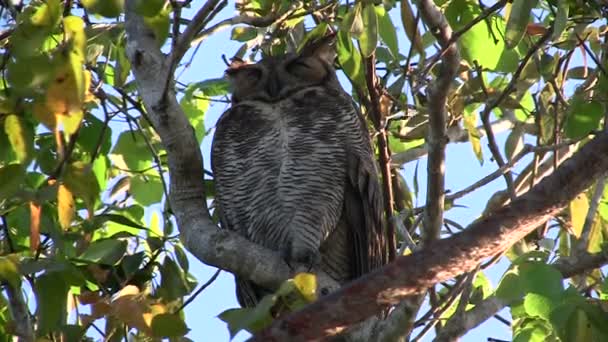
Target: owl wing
x: 363, y: 204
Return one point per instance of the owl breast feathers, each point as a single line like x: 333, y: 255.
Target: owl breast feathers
x: 294, y: 169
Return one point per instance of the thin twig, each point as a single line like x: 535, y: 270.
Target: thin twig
x: 378, y: 118
x: 199, y: 291
x: 196, y: 25
x: 485, y: 116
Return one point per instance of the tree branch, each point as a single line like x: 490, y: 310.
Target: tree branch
x: 20, y: 314
x: 196, y: 25
x: 437, y: 137
x: 213, y: 246
x: 444, y: 259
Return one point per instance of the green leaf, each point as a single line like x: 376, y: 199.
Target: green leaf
x: 51, y: 296
x: 243, y: 34
x: 368, y: 40
x: 195, y: 108
x: 13, y: 177
x: 47, y: 15
x: 159, y: 24
x: 249, y: 319
x: 123, y: 220
x: 350, y: 59
x: 173, y: 281
x: 386, y: 30
x: 106, y: 8
x: 9, y: 271
x: 561, y: 19
x: 81, y: 181
x: 211, y: 87
x: 510, y: 286
x: 515, y: 142
x: 20, y: 136
x: 535, y: 332
x: 181, y: 257
x: 541, y: 279
x: 470, y: 124
x: 131, y: 152
x: 168, y: 325
x: 478, y: 43
x: 105, y: 252
x: 583, y: 117
x: 352, y: 24
x: 146, y: 190
x: 539, y: 305
x: 149, y: 8
x: 518, y: 21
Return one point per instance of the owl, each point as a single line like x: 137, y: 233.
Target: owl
x: 294, y: 169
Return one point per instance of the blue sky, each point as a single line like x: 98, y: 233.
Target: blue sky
x: 462, y: 169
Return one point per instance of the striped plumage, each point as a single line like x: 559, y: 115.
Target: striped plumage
x: 294, y: 169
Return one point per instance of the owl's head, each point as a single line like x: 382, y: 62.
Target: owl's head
x: 276, y: 77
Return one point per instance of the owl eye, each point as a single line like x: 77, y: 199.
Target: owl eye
x: 307, y: 69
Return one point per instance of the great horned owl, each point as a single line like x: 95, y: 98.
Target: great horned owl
x: 294, y: 169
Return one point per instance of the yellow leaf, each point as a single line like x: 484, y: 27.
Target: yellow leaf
x: 35, y: 211
x: 578, y: 211
x: 595, y: 237
x: 470, y: 120
x: 307, y: 284
x: 65, y: 206
x: 19, y: 138
x: 43, y: 114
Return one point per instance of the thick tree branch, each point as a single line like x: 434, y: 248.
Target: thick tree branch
x: 437, y: 137
x: 444, y: 259
x: 211, y: 245
x: 459, y: 325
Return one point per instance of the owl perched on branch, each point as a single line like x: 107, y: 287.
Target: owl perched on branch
x: 294, y: 168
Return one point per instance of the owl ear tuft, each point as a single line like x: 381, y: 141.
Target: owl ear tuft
x: 235, y: 64
x: 322, y: 48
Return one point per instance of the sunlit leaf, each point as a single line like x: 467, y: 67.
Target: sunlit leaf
x: 386, y: 30
x: 583, y: 117
x: 517, y: 23
x: 243, y: 34
x: 20, y: 136
x: 9, y: 270
x: 368, y: 40
x: 106, y: 8
x: 146, y: 190
x: 66, y: 207
x: 159, y: 24
x: 350, y: 59
x: 478, y: 43
x: 470, y: 123
x: 307, y: 284
x: 149, y: 8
